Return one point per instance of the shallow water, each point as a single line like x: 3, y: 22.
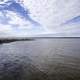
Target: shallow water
x: 41, y: 59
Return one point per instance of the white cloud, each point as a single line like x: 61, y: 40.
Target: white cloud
x: 51, y: 14
x: 17, y: 26
x: 53, y: 11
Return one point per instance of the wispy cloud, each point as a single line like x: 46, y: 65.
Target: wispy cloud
x: 15, y: 20
x: 58, y: 17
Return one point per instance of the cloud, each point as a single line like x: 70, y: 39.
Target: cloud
x: 52, y: 13
x: 55, y: 16
x: 16, y: 21
x: 17, y: 26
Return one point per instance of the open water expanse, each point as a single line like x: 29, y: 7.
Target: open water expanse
x: 41, y: 59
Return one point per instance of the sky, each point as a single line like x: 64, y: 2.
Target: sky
x: 58, y: 17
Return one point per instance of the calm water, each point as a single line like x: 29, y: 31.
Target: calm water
x: 41, y: 59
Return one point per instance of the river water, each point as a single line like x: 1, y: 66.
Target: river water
x: 41, y: 59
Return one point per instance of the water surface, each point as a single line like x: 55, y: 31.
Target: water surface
x: 41, y: 59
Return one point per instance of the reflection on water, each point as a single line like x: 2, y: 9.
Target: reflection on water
x: 42, y: 59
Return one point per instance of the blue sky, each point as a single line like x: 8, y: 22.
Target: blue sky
x: 35, y: 17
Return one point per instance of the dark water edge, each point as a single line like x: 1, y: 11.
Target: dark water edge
x: 41, y: 59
